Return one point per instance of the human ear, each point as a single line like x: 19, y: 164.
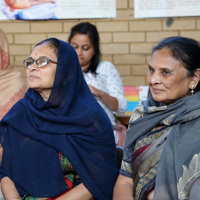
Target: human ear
x: 195, y: 79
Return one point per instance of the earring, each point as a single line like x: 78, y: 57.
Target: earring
x: 192, y: 89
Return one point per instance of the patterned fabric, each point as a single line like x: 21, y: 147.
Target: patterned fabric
x: 143, y: 165
x: 12, y: 85
x: 72, y: 122
x: 108, y: 80
x: 154, y: 159
x: 72, y: 179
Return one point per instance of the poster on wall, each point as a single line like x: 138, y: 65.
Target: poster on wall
x: 166, y: 8
x: 134, y: 95
x: 56, y: 9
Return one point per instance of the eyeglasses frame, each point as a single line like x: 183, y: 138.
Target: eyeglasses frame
x: 35, y: 61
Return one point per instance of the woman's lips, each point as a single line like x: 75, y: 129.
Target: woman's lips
x: 33, y: 77
x: 156, y: 90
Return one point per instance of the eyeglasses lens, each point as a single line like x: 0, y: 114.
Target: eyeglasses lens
x: 40, y: 62
x: 28, y: 63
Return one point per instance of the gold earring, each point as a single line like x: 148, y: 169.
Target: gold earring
x: 192, y: 89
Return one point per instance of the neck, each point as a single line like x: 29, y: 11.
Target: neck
x: 84, y: 67
x: 45, y: 94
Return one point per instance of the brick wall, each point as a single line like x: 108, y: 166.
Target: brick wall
x: 125, y: 41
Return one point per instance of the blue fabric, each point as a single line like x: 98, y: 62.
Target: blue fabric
x: 71, y: 122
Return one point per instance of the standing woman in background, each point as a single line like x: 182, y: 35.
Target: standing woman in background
x: 102, y: 77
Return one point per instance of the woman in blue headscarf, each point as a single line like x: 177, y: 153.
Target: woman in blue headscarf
x: 57, y: 141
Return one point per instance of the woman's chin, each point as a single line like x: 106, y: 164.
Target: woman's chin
x: 158, y: 98
x: 33, y: 86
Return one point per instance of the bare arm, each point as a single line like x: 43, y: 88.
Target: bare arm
x: 109, y: 101
x: 123, y: 189
x: 79, y: 192
x: 9, y: 190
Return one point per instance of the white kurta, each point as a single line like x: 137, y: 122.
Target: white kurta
x: 109, y: 81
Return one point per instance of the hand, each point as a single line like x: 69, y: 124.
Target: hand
x: 109, y: 101
x: 95, y: 91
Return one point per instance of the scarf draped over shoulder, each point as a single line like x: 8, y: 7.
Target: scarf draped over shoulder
x: 180, y: 160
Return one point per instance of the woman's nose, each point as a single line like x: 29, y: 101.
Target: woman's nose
x: 155, y: 78
x: 79, y: 51
x: 33, y: 66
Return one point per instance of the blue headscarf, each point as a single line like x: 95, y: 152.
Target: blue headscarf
x: 71, y: 122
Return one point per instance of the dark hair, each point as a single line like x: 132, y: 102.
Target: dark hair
x: 52, y: 42
x: 92, y: 32
x: 185, y: 50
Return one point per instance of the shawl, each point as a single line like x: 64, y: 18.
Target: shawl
x: 179, y: 164
x: 71, y: 122
x: 12, y: 86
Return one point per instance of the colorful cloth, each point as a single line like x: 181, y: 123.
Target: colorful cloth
x: 71, y: 122
x: 166, y: 159
x: 12, y: 85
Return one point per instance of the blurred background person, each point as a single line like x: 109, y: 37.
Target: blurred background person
x: 102, y: 77
x: 12, y: 84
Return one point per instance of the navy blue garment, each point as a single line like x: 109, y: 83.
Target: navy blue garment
x: 71, y: 122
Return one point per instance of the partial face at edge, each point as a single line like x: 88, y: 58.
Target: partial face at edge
x: 167, y: 78
x: 42, y: 79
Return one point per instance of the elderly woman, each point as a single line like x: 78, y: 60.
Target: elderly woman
x: 162, y: 153
x: 57, y: 141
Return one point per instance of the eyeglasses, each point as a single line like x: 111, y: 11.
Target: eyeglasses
x: 40, y: 62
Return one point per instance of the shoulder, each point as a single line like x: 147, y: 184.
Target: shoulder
x: 16, y: 112
x: 106, y: 66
